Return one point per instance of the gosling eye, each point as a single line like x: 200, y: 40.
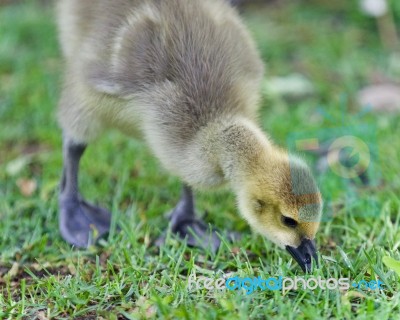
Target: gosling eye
x: 289, y: 222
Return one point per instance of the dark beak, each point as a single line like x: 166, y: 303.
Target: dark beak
x: 304, y: 253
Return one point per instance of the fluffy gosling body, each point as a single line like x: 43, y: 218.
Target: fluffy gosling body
x: 184, y: 76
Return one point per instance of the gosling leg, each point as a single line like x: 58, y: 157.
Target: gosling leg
x: 80, y: 222
x: 184, y: 223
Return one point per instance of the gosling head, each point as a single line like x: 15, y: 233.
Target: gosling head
x: 281, y: 201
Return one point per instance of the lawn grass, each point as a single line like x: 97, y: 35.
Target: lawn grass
x: 334, y: 46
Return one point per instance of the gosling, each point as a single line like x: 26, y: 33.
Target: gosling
x: 183, y: 76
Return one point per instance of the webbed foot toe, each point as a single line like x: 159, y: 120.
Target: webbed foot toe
x: 81, y: 223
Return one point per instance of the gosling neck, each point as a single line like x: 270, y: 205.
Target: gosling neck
x: 241, y: 150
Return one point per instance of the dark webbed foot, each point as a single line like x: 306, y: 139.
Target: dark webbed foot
x: 82, y: 223
x: 197, y: 233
